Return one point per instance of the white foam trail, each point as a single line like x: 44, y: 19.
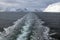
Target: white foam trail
x: 25, y: 31
x: 21, y: 29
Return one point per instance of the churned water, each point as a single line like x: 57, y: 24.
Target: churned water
x: 28, y: 27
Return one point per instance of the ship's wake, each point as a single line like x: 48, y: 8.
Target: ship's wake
x: 28, y: 27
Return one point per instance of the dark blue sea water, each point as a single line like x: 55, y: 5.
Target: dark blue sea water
x: 26, y: 26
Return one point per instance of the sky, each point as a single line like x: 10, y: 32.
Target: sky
x: 30, y: 4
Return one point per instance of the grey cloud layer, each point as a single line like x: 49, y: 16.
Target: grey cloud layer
x: 27, y: 3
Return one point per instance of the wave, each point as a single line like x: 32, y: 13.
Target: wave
x: 28, y: 27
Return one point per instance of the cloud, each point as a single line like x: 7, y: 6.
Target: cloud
x: 8, y: 4
x: 31, y: 4
x: 53, y: 8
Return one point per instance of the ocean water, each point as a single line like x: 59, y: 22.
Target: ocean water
x: 29, y: 27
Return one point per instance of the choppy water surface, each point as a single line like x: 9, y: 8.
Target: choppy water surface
x: 28, y: 27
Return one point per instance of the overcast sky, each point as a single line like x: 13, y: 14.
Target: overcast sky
x: 33, y: 4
